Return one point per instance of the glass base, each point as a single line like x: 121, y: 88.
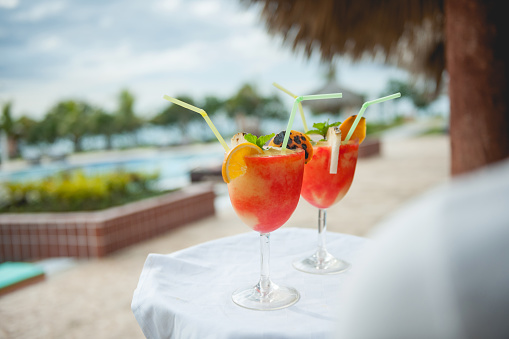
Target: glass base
x: 276, y: 298
x: 323, y: 264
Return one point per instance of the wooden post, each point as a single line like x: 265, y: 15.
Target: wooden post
x: 477, y: 45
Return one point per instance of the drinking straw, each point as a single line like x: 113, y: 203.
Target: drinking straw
x: 204, y: 115
x: 363, y: 108
x: 294, y: 109
x: 300, y: 105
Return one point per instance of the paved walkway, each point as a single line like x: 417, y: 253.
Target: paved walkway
x: 91, y: 299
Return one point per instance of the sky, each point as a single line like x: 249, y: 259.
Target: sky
x: 56, y: 50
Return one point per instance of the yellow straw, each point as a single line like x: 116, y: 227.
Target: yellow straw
x: 299, y: 104
x: 204, y: 115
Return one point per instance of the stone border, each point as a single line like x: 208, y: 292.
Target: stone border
x: 31, y: 236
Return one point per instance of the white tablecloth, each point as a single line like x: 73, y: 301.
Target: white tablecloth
x: 187, y: 294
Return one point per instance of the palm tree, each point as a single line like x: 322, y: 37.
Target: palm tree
x: 70, y: 119
x: 420, y: 98
x: 126, y: 119
x: 212, y: 104
x: 248, y: 106
x: 177, y: 115
x: 26, y: 129
x: 47, y: 128
x: 8, y: 127
x: 104, y: 124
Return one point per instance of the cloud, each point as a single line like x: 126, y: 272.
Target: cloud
x: 41, y: 11
x: 123, y: 62
x: 157, y: 47
x: 47, y: 44
x: 205, y: 8
x: 227, y: 14
x: 9, y: 4
x: 170, y: 6
x: 106, y: 22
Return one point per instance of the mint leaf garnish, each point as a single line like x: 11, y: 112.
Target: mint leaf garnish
x: 264, y: 138
x: 321, y: 128
x: 251, y: 138
x: 258, y: 141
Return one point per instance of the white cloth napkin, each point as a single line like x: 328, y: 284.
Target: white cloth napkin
x: 187, y: 294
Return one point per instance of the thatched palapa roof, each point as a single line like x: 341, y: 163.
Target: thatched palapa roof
x: 348, y: 102
x: 408, y: 34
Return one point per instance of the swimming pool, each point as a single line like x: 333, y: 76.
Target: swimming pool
x: 173, y: 165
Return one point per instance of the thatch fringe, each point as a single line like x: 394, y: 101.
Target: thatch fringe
x: 408, y: 34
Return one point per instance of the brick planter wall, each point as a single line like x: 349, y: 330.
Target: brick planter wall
x: 369, y: 147
x: 32, y: 236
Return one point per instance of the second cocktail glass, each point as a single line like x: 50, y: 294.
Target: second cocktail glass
x: 264, y: 198
x: 322, y: 186
x: 322, y: 189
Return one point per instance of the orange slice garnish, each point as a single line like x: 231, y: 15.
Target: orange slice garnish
x: 360, y: 130
x: 234, y: 164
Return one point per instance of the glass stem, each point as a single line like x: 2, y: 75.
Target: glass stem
x: 321, y: 252
x: 265, y: 284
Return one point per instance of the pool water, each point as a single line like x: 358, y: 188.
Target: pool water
x: 172, y: 166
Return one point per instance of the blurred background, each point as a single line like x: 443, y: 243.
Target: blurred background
x: 91, y: 76
x: 82, y: 85
x: 81, y: 91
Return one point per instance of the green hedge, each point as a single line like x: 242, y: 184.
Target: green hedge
x: 75, y: 191
x: 376, y: 128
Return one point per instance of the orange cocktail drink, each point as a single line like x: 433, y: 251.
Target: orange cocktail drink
x: 264, y: 187
x: 267, y: 194
x: 321, y: 188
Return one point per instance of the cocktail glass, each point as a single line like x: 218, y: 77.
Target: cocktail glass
x: 264, y: 198
x: 322, y: 189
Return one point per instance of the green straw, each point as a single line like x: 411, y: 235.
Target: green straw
x: 322, y: 96
x: 204, y: 115
x: 294, y: 109
x: 300, y: 105
x: 363, y: 108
